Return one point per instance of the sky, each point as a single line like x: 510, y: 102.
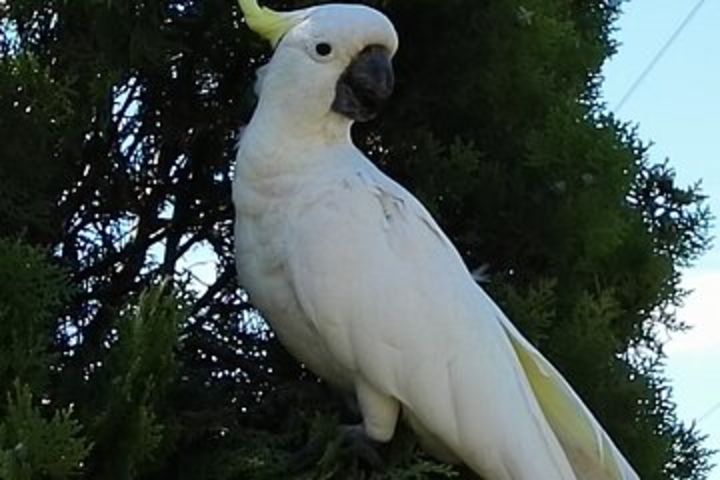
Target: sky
x: 677, y: 107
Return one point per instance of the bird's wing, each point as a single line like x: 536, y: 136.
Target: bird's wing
x: 393, y: 301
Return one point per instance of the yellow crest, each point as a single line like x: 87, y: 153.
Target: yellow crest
x: 268, y: 23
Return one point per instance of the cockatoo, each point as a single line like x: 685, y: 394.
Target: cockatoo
x: 361, y: 284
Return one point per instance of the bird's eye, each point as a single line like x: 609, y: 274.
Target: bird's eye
x: 323, y: 49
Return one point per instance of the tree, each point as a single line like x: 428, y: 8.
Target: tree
x: 119, y: 122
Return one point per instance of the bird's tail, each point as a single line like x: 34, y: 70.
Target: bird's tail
x: 588, y: 447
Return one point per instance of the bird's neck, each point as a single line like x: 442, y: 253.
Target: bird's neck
x: 282, y: 142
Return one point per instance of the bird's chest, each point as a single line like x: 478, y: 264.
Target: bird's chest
x: 266, y: 214
x: 263, y: 229
x: 260, y: 253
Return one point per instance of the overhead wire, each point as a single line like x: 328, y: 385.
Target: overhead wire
x: 705, y: 415
x: 663, y: 50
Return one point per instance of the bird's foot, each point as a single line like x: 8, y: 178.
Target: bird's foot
x: 356, y: 442
x: 351, y: 444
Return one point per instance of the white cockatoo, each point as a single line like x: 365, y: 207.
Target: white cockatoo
x: 360, y: 283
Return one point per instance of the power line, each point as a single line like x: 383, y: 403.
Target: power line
x: 659, y: 55
x: 712, y: 410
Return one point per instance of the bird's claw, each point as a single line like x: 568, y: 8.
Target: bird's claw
x: 356, y: 442
x: 353, y: 443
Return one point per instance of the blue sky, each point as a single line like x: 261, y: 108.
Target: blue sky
x: 678, y: 108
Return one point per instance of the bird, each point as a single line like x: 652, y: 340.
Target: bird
x: 359, y: 282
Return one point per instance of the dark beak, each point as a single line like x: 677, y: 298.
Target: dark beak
x: 365, y: 85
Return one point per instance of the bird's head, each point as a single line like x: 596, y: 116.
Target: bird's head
x: 329, y: 61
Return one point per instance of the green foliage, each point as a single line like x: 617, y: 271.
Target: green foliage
x: 34, y: 447
x: 31, y: 294
x: 139, y: 370
x: 35, y: 442
x: 119, y: 124
x: 35, y: 111
x: 308, y: 441
x: 532, y: 309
